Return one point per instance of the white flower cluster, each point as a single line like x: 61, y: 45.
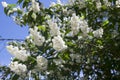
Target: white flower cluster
x: 35, y: 6
x: 18, y: 68
x: 42, y: 63
x: 118, y: 3
x: 58, y: 43
x: 98, y: 4
x: 77, y: 23
x: 38, y: 39
x: 20, y: 54
x: 107, y: 2
x: 4, y: 4
x: 98, y: 33
x: 54, y: 29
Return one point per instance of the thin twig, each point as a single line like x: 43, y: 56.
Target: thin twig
x: 11, y: 39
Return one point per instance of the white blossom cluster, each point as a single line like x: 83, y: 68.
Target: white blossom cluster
x: 77, y: 23
x: 38, y: 39
x: 118, y: 3
x: 18, y: 68
x: 42, y: 63
x: 20, y: 54
x: 35, y: 6
x: 98, y: 33
x: 54, y: 29
x: 99, y: 4
x: 58, y: 43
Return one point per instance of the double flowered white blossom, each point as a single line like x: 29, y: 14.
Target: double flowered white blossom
x: 58, y: 43
x: 18, y: 68
x: 20, y: 54
x: 98, y: 33
x: 84, y: 27
x: 35, y: 6
x: 54, y: 29
x: 118, y: 3
x: 4, y: 4
x: 38, y: 39
x: 77, y: 23
x: 42, y: 63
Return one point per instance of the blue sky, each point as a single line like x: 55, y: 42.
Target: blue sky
x: 10, y: 30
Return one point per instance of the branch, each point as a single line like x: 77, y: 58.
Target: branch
x: 11, y: 39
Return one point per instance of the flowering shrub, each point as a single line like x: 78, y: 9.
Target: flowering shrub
x: 66, y: 41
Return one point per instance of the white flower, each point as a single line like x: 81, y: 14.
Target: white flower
x: 74, y: 24
x: 118, y: 3
x: 35, y: 6
x: 84, y: 27
x: 42, y: 63
x: 77, y: 23
x: 58, y: 43
x: 4, y: 4
x: 20, y: 54
x: 98, y: 33
x: 98, y: 4
x: 38, y: 39
x: 19, y: 69
x: 54, y: 29
x: 16, y: 8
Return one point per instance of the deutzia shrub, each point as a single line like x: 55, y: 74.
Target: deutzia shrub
x: 66, y: 41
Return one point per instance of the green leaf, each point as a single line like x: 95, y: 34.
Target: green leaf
x: 104, y: 7
x: 42, y: 28
x: 6, y: 10
x: 70, y: 43
x: 99, y: 41
x: 105, y: 23
x: 11, y: 6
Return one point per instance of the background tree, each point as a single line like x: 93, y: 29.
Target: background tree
x: 66, y: 40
